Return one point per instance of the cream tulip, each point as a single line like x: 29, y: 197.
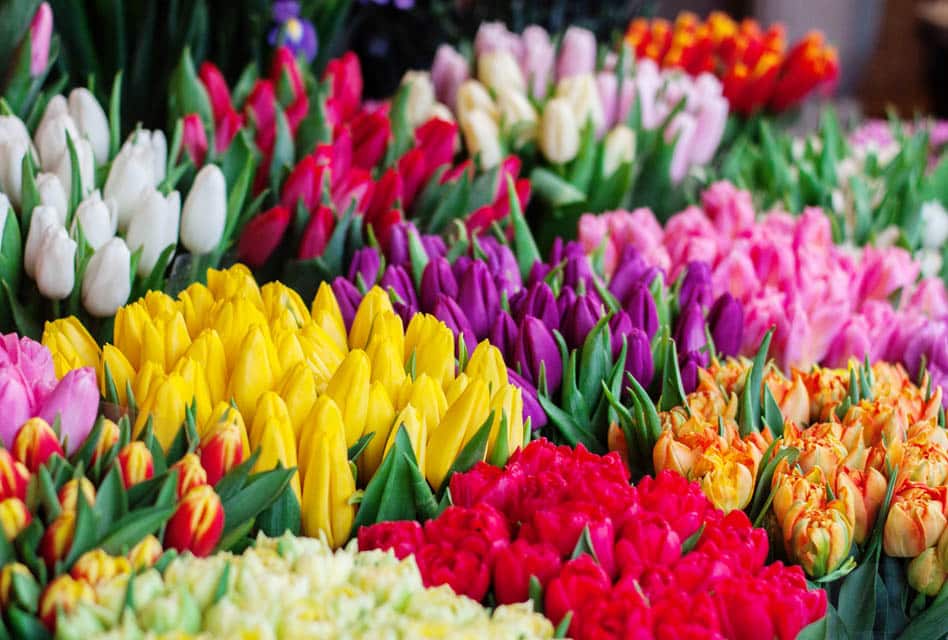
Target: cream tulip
x: 421, y: 96
x: 516, y: 113
x: 500, y: 72
x: 559, y: 133
x: 482, y: 138
x: 44, y: 217
x: 205, y: 211
x: 132, y: 173
x: 582, y: 94
x: 618, y: 149
x: 50, y: 137
x: 472, y: 95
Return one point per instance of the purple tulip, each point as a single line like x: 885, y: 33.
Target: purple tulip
x: 397, y: 252
x: 437, y: 279
x: 348, y: 298
x: 577, y: 53
x: 75, y: 401
x: 576, y: 271
x: 632, y: 270
x: 397, y: 279
x: 565, y: 302
x: 538, y: 58
x: 538, y: 272
x: 447, y: 311
x: 478, y: 298
x: 620, y: 325
x: 726, y: 320
x: 365, y: 262
x: 434, y: 245
x: 579, y: 320
x: 503, y: 335
x: 640, y: 305
x: 689, y: 370
x: 689, y: 334
x: 638, y: 358
x: 502, y: 263
x: 460, y: 266
x: 696, y: 285
x: 537, y: 348
x: 448, y: 72
x: 541, y: 303
x: 531, y: 406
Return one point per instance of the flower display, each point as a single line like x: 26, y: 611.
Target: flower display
x: 310, y: 590
x: 754, y: 64
x: 603, y: 557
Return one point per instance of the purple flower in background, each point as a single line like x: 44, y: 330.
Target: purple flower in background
x: 726, y: 322
x: 348, y: 298
x: 396, y: 279
x: 437, y: 279
x: 696, y: 285
x: 638, y: 360
x: 298, y: 34
x: 366, y: 263
x: 690, y: 336
x: 504, y: 334
x: 398, y: 4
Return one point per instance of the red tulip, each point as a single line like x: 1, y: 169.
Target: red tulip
x: 198, y: 522
x: 412, y: 167
x: 402, y: 537
x: 261, y: 108
x: 317, y: 233
x: 455, y: 173
x: 262, y: 236
x: 217, y: 90
x: 517, y: 563
x: 285, y: 62
x: 463, y: 571
x: 302, y: 185
x: 296, y: 112
x: 581, y: 580
x: 57, y: 539
x: 222, y: 450
x: 35, y: 442
x: 135, y: 463
x: 63, y: 594
x: 14, y: 517
x: 385, y: 196
x: 370, y: 134
x: 194, y: 138
x: 14, y: 477
x: 436, y: 139
x: 226, y: 129
x: 190, y: 474
x: 345, y: 95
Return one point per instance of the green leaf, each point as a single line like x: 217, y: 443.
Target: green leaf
x: 584, y: 165
x: 419, y: 257
x: 563, y: 627
x: 425, y: 503
x: 673, y: 391
x: 763, y: 485
x: 536, y: 594
x: 356, y: 449
x: 115, y: 115
x: 111, y: 501
x: 26, y: 626
x: 283, y: 153
x: 85, y: 534
x: 692, y: 541
x: 571, y: 430
x: 929, y: 625
x: 584, y: 546
x: 372, y: 498
x: 554, y: 189
x: 130, y: 530
x: 773, y: 418
x: 749, y: 419
x: 281, y: 516
x: 857, y: 598
x: 187, y: 94
x: 234, y: 480
x: 401, y: 128
x: 501, y: 451
x: 239, y: 187
x: 260, y: 492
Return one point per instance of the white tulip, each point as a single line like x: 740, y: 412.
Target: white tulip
x: 11, y: 168
x: 97, y: 218
x: 441, y: 112
x: 53, y: 194
x: 153, y: 227
x: 56, y: 106
x: 559, y: 133
x: 50, y: 139
x: 131, y: 175
x: 501, y: 72
x: 156, y: 143
x: 684, y: 126
x: 55, y: 267
x: 935, y: 224
x: 421, y: 96
x: 86, y: 158
x: 44, y: 217
x: 516, y: 112
x: 92, y: 122
x: 482, y: 138
x: 582, y: 94
x: 107, y: 282
x: 618, y: 149
x: 472, y: 95
x: 205, y: 211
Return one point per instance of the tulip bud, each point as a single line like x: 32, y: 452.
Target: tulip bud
x: 41, y: 32
x: 86, y: 159
x: 14, y: 476
x: 500, y: 72
x: 55, y: 263
x: 223, y: 449
x: 639, y: 362
x: 379, y: 421
x: 916, y: 520
x: 582, y: 94
x: 366, y: 264
x: 52, y: 194
x: 578, y: 320
x: 272, y: 436
x: 482, y: 138
x: 131, y: 173
x: 559, y: 132
x: 253, y: 372
x: 459, y: 424
x: 9, y: 571
x: 106, y: 283
x: 487, y: 364
x: 50, y: 136
x: 63, y: 595
x: 473, y: 96
x: 14, y: 517
x: 12, y: 151
x: 577, y: 53
x: 135, y: 463
x: 819, y: 539
x: 618, y: 149
x: 925, y: 574
x: 448, y: 72
x: 145, y: 554
x: 198, y: 522
x: 194, y: 138
x: 190, y: 473
x: 97, y: 219
x: 726, y: 323
x: 69, y: 493
x: 97, y: 566
x: 57, y: 539
x: 70, y: 343
x: 542, y: 304
x: 640, y: 305
x: 153, y: 227
x: 205, y: 211
x: 35, y: 442
x: 317, y: 234
x: 437, y: 278
x: 91, y: 121
x: 447, y: 311
x: 537, y: 349
x: 416, y: 428
x: 507, y: 404
x: 349, y: 388
x: 374, y: 303
x: 690, y: 336
x: 421, y: 96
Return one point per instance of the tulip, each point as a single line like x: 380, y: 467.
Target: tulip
x: 254, y: 372
x: 145, y: 554
x: 370, y: 135
x: 690, y: 334
x: 559, y: 132
x: 35, y: 442
x: 578, y: 320
x: 45, y: 220
x: 503, y: 334
x: 131, y: 173
x: 482, y: 138
x: 639, y: 362
x: 478, y: 298
x: 14, y: 517
x: 224, y: 447
x: 726, y: 323
x: 926, y: 574
x: 194, y: 138
x: 915, y: 522
x: 165, y: 403
x: 538, y: 59
x: 448, y: 311
x: 317, y: 234
x: 97, y: 219
x: 108, y: 438
x: 517, y: 114
x: 106, y: 284
x: 96, y: 567
x: 366, y: 264
x: 135, y: 463
x: 345, y: 78
x: 542, y: 304
x: 328, y: 484
x: 14, y: 477
x: 582, y: 94
x: 52, y: 194
x: 91, y: 122
x: 537, y: 351
x: 51, y: 133
x: 262, y: 236
x: 12, y: 152
x: 7, y: 574
x: 577, y: 53
x: 448, y: 72
x: 55, y: 263
x: 70, y: 343
x: 62, y: 596
x: 436, y: 279
x: 640, y: 305
x: 819, y: 539
x: 618, y: 149
x: 41, y: 32
x: 197, y: 523
x: 205, y: 211
x: 460, y: 422
x: 57, y: 539
x: 473, y: 96
x: 726, y: 479
x: 190, y: 473
x: 327, y: 314
x: 500, y: 72
x: 421, y: 96
x: 154, y: 227
x: 217, y: 90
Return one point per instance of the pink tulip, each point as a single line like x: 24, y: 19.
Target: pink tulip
x: 929, y: 298
x: 194, y: 139
x: 736, y: 275
x: 538, y: 58
x: 885, y: 271
x: 682, y: 131
x: 577, y: 53
x: 494, y: 36
x: 75, y: 401
x: 730, y: 209
x: 41, y: 30
x: 16, y: 402
x: 448, y: 72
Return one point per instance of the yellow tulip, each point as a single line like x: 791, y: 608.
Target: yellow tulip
x: 208, y: 349
x: 387, y: 328
x: 119, y: 368
x: 128, y: 332
x: 166, y: 403
x: 457, y: 386
x: 253, y: 372
x: 328, y: 316
x: 487, y: 363
x: 71, y: 345
x: 379, y: 420
x: 322, y: 353
x: 324, y: 415
x: 349, y: 388
x: 222, y: 415
x: 507, y: 403
x: 427, y: 396
x: 328, y: 485
x: 272, y: 434
x: 159, y: 305
x: 289, y: 347
x: 460, y: 422
x: 196, y: 379
x: 374, y: 302
x: 417, y: 430
x: 283, y: 307
x: 725, y: 479
x: 795, y: 487
x: 148, y: 376
x: 387, y: 366
x: 433, y: 345
x: 196, y: 303
x: 298, y: 390
x: 236, y: 282
x: 232, y: 319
